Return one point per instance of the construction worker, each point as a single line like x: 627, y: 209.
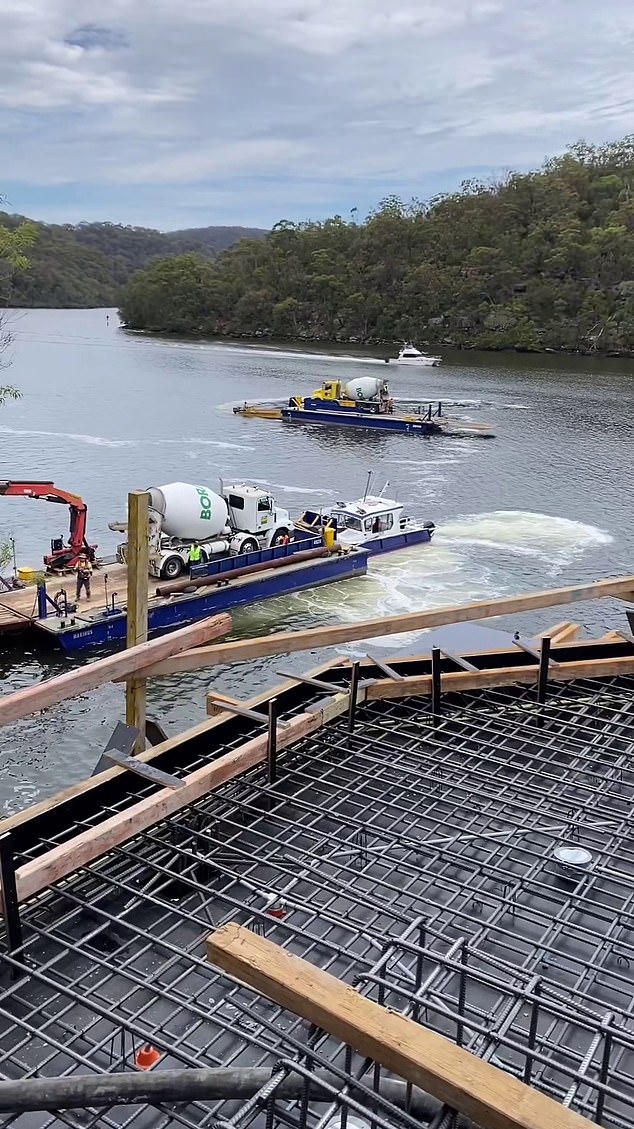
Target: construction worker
x: 84, y: 573
x: 195, y: 556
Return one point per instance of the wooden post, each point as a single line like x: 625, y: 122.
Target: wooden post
x: 117, y: 667
x: 137, y: 562
x: 484, y: 1093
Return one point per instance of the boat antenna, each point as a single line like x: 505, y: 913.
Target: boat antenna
x: 384, y: 489
x: 367, y: 486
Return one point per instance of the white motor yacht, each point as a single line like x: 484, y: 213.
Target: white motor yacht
x: 410, y: 355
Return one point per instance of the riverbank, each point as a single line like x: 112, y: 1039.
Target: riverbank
x: 377, y: 349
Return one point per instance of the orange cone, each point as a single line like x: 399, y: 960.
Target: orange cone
x: 275, y: 906
x: 146, y: 1057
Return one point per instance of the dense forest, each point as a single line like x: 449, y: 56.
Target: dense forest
x: 535, y: 261
x: 87, y: 264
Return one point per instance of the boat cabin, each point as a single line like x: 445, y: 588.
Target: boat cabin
x: 409, y: 352
x: 371, y: 517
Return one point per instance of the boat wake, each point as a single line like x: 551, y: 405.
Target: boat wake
x: 104, y: 441
x: 470, y: 558
x: 285, y: 488
x: 292, y: 355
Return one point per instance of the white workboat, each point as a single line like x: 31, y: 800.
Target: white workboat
x: 376, y: 524
x: 410, y: 355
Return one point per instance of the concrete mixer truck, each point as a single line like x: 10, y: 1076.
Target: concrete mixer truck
x: 240, y: 519
x: 363, y: 394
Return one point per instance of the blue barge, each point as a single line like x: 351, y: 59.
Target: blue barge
x: 366, y: 403
x: 409, y: 425
x: 75, y: 632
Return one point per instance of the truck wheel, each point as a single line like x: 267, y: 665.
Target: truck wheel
x: 172, y: 568
x: 249, y: 545
x: 279, y: 537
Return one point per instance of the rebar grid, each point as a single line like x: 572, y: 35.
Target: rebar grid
x: 413, y: 859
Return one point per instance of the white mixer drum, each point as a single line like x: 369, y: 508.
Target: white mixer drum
x: 189, y: 512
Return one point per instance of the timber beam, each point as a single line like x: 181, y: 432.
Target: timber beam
x: 286, y: 642
x: 118, y: 667
x: 421, y: 684
x: 89, y: 845
x: 481, y: 1091
x: 87, y: 791
x: 560, y: 633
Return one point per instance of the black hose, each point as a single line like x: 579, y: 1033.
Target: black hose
x: 85, y: 1091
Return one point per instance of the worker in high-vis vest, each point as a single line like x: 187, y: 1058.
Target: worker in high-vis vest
x: 83, y: 568
x: 195, y: 556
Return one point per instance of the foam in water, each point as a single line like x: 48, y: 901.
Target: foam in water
x: 555, y: 540
x: 92, y: 440
x: 467, y: 561
x: 103, y: 441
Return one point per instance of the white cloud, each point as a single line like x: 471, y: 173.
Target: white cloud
x: 195, y: 92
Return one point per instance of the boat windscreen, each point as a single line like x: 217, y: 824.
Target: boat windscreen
x: 348, y: 521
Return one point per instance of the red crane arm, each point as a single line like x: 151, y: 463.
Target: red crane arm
x: 46, y: 491
x: 49, y: 492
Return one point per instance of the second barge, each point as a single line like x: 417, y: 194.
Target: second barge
x: 364, y: 403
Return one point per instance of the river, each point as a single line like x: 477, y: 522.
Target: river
x: 547, y: 502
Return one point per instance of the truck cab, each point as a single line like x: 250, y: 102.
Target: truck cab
x: 253, y: 511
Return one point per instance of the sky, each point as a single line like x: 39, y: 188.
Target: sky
x: 184, y: 113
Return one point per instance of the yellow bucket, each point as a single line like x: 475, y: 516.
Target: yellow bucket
x: 329, y: 537
x: 27, y: 574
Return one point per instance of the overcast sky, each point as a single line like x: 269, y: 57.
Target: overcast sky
x: 177, y: 113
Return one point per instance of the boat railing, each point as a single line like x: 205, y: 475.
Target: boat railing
x: 430, y: 411
x: 301, y: 542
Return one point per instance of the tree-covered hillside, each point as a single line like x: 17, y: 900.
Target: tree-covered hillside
x: 87, y: 264
x: 535, y: 261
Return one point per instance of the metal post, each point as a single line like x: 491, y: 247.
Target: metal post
x: 462, y: 994
x: 42, y: 610
x: 354, y: 691
x: 436, y: 683
x: 532, y: 1033
x: 10, y: 903
x: 271, y: 746
x: 542, y: 679
x: 603, y: 1073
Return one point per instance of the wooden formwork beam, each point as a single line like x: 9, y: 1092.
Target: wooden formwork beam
x: 204, y: 728
x: 493, y: 1099
x: 561, y: 633
x: 90, y: 845
x: 420, y: 684
x: 137, y: 611
x: 285, y: 642
x: 115, y: 667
